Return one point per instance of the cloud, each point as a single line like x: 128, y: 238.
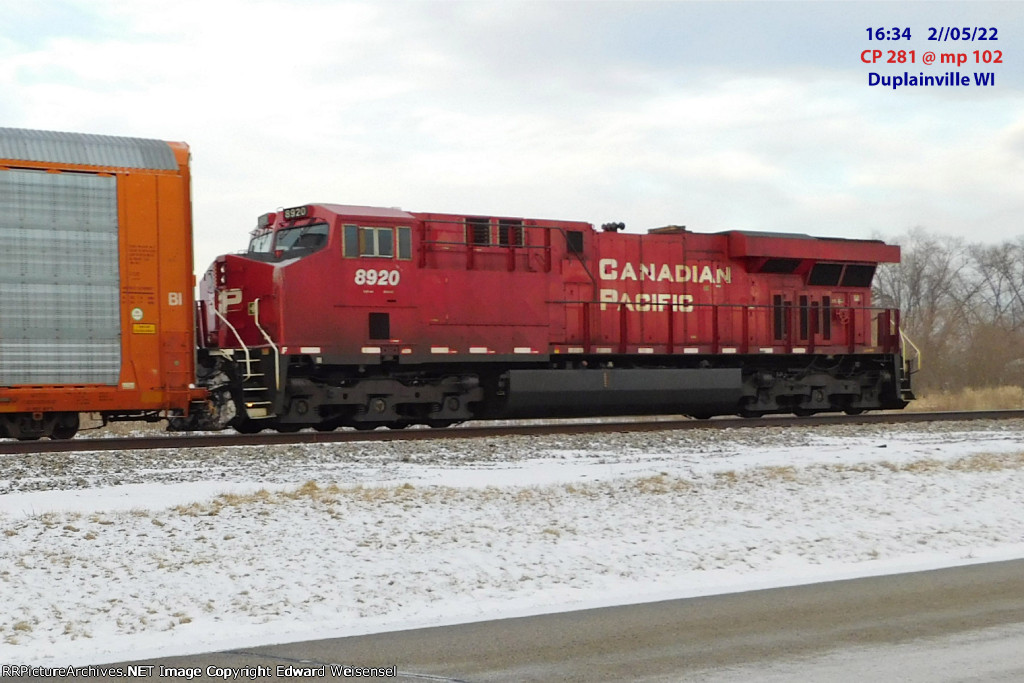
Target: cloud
x: 714, y: 115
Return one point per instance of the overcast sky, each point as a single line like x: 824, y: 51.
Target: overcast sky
x: 718, y: 115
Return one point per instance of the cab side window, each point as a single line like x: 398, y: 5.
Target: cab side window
x: 374, y: 242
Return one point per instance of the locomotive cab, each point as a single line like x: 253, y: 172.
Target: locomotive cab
x: 287, y: 243
x: 291, y: 304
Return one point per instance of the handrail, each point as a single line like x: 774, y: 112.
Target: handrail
x: 789, y: 339
x: 463, y: 243
x: 277, y: 353
x: 917, y: 352
x: 248, y: 358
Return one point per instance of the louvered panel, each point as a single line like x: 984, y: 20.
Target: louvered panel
x: 59, y: 279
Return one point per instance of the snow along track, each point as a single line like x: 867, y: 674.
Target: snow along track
x: 118, y: 555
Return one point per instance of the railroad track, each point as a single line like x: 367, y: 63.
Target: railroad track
x: 475, y: 432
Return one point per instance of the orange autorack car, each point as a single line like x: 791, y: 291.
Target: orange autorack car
x: 96, y: 281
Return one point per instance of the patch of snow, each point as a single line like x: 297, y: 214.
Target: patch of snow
x: 114, y: 556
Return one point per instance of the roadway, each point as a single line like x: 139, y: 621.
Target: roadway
x: 957, y: 624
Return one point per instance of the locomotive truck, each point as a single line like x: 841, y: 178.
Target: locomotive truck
x: 354, y: 316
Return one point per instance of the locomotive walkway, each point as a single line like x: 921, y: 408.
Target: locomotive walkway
x: 222, y: 439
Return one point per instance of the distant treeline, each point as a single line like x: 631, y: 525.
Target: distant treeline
x: 962, y: 304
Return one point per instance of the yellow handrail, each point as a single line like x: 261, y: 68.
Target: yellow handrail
x: 917, y: 352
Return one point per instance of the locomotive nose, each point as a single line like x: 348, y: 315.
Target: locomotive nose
x: 230, y: 295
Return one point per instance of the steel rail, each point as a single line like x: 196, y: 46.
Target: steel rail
x: 231, y: 439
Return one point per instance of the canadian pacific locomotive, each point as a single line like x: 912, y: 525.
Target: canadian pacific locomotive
x: 360, y: 317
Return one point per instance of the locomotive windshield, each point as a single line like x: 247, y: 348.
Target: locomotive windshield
x: 261, y: 241
x: 306, y: 239
x: 288, y: 243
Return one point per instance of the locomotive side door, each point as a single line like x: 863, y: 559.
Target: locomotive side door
x: 808, y: 322
x: 578, y: 310
x: 820, y: 320
x: 781, y: 324
x: 803, y: 321
x: 822, y: 311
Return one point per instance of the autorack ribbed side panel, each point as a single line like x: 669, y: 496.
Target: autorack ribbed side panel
x: 85, y: 150
x: 59, y: 279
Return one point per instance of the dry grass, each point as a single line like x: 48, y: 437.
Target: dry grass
x: 996, y: 398
x: 989, y: 462
x: 780, y: 472
x: 660, y: 484
x: 408, y: 495
x: 328, y: 495
x: 980, y: 462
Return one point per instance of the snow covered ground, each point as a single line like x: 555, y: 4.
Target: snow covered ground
x: 114, y: 556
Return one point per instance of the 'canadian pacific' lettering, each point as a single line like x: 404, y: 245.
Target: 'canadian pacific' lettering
x: 609, y: 269
x: 680, y: 303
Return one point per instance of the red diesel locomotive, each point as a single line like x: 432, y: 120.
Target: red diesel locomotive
x: 359, y: 316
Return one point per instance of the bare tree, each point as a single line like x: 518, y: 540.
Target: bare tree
x: 963, y: 305
x: 935, y: 288
x: 1001, y: 270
